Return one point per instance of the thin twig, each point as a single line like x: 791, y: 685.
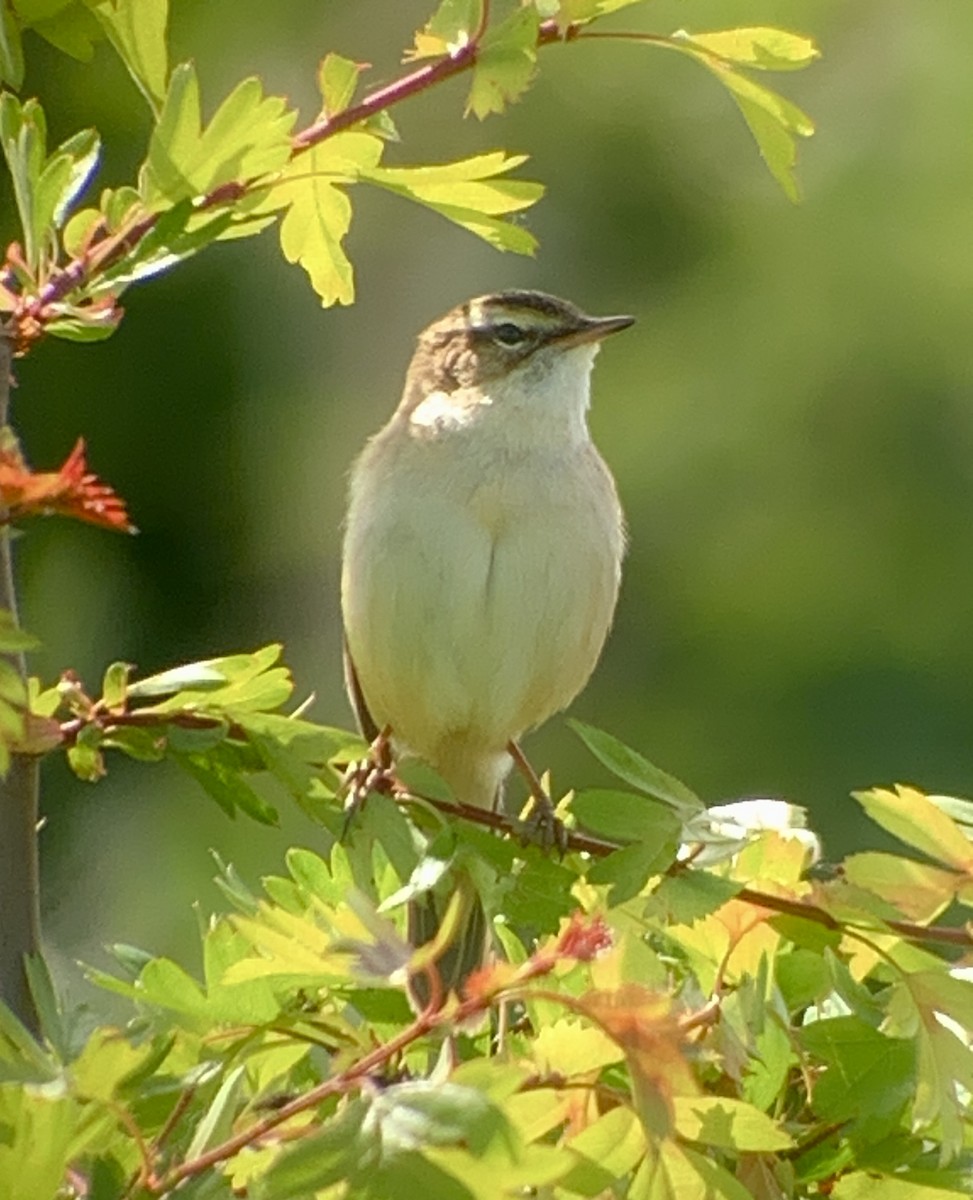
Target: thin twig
x: 36, y: 310
x: 20, y: 925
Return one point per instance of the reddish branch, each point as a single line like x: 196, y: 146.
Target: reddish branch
x: 582, y: 938
x: 33, y: 312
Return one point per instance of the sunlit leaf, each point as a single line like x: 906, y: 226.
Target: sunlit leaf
x: 248, y: 137
x: 760, y: 47
x: 505, y: 62
x: 337, y: 81
x: 471, y: 192
x: 137, y: 30
x: 727, y: 1123
x: 915, y: 820
x: 449, y: 28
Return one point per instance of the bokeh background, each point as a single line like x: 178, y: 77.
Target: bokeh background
x: 791, y: 421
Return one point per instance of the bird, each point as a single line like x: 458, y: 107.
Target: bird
x: 482, y: 552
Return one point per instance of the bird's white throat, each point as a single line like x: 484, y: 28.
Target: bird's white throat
x: 546, y: 399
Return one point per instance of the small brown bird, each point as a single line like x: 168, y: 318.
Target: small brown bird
x: 484, y: 541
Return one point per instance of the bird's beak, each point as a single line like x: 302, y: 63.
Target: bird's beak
x: 594, y: 329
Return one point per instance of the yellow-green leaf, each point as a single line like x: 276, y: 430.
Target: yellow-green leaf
x: 505, y: 63
x: 337, y: 80
x: 137, y: 30
x: 918, y: 822
x: 761, y: 47
x: 450, y: 27
x: 319, y: 211
x: 773, y: 121
x: 248, y: 137
x: 728, y: 1123
x: 470, y: 193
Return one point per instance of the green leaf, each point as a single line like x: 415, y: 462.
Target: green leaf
x: 11, y: 51
x: 426, y: 1113
x: 728, y: 1123
x: 918, y: 890
x: 44, y: 188
x: 505, y: 62
x: 628, y: 870
x: 23, y: 134
x: 68, y: 26
x: 449, y: 28
x: 250, y: 682
x: 12, y: 637
x: 685, y: 897
x: 85, y: 758
x: 337, y: 81
x: 137, y: 30
x: 759, y: 47
x: 319, y: 211
x: 471, y: 193
x: 143, y: 745
x: 773, y: 121
x: 326, y: 1157
x: 915, y: 820
x: 248, y: 137
x: 630, y: 766
x: 606, y: 1151
x: 868, y: 1076
x: 220, y: 776
x: 114, y: 685
x: 216, y: 1124
x: 859, y: 1185
x: 78, y: 230
x: 164, y: 983
x: 625, y: 816
x: 38, y: 1124
x: 673, y: 1172
x: 48, y: 1006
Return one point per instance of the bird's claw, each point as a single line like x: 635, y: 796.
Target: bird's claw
x: 373, y: 773
x: 540, y: 825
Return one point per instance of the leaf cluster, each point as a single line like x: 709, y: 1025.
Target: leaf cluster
x: 203, y: 181
x: 687, y: 1004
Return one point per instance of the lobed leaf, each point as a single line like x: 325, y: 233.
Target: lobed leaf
x: 471, y: 193
x: 137, y: 30
x: 248, y: 138
x: 449, y: 28
x: 506, y: 60
x: 318, y: 213
x: 760, y: 47
x: 917, y: 821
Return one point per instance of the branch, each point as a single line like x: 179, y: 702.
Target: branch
x: 581, y: 843
x: 19, y: 800
x: 33, y: 311
x: 580, y: 941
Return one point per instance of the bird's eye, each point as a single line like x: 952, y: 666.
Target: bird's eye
x: 508, y: 334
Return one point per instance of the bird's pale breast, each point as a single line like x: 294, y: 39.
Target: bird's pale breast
x: 476, y: 606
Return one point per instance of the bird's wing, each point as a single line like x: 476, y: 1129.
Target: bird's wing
x: 366, y: 722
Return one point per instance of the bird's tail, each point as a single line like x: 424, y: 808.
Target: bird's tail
x: 464, y: 952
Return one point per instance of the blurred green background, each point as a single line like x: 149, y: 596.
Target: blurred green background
x: 791, y: 421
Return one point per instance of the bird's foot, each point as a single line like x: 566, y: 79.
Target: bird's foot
x: 538, y: 822
x: 373, y: 773
x: 539, y: 825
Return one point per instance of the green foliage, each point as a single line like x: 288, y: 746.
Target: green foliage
x: 753, y: 1028
x: 245, y: 168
